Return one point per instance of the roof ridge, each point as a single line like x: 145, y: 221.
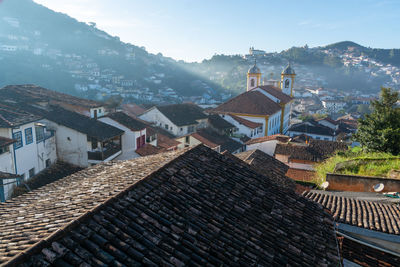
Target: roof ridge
x: 20, y: 257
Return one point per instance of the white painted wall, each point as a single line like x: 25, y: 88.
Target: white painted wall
x: 274, y: 123
x: 155, y: 116
x: 71, y: 144
x: 33, y: 155
x: 100, y: 112
x: 242, y: 129
x: 267, y: 147
x: 128, y: 138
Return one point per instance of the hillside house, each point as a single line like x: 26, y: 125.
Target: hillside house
x: 177, y: 119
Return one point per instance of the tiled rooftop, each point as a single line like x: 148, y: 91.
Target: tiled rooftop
x: 247, y: 123
x: 128, y: 121
x: 268, y: 166
x: 372, y: 215
x: 278, y: 137
x: 32, y: 94
x: 33, y: 216
x: 251, y: 102
x: 5, y: 141
x: 201, y: 209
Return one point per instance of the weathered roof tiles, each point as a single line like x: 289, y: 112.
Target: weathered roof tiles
x: 201, y: 208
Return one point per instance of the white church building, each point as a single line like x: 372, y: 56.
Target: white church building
x: 266, y: 106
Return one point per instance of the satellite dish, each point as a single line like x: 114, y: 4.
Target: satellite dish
x: 379, y: 187
x: 325, y: 185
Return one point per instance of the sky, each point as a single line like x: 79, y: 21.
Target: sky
x: 193, y: 30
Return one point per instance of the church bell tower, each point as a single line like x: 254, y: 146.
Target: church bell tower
x: 287, y: 80
x: 253, y: 77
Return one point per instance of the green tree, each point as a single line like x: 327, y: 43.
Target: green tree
x: 363, y: 108
x: 380, y: 130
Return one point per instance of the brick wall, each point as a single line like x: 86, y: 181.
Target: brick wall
x: 341, y: 182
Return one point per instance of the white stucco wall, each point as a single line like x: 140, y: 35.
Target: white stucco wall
x: 242, y: 129
x: 7, y: 161
x: 128, y: 138
x: 71, y: 144
x: 33, y: 155
x: 155, y: 116
x: 267, y: 147
x: 274, y: 123
x: 100, y: 112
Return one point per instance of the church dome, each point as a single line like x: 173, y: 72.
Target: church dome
x: 254, y: 70
x: 288, y: 70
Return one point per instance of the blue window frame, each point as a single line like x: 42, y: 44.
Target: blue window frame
x: 28, y: 136
x: 39, y: 133
x: 18, y: 137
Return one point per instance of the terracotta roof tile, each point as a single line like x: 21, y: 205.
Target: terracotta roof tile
x: 316, y: 150
x: 251, y: 102
x: 149, y: 149
x: 33, y: 94
x: 166, y: 142
x: 128, y: 121
x: 247, y: 123
x: 30, y: 217
x: 268, y: 166
x: 183, y: 114
x: 278, y: 137
x: 276, y: 92
x: 361, y: 213
x: 200, y: 209
x: 219, y: 123
x: 213, y: 139
x: 6, y: 141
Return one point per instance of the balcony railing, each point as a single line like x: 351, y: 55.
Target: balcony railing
x: 102, y: 155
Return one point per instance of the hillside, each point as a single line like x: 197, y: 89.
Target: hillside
x: 40, y: 46
x: 346, y: 66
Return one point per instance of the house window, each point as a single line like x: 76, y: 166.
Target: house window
x: 166, y: 126
x: 4, y: 149
x: 187, y: 139
x: 28, y: 136
x: 39, y: 133
x: 190, y: 129
x: 18, y: 137
x: 48, y: 162
x: 181, y: 129
x: 31, y: 172
x: 251, y: 82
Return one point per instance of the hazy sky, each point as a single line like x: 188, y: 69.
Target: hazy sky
x: 196, y: 29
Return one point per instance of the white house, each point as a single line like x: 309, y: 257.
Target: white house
x: 81, y: 140
x: 313, y: 129
x: 134, y: 136
x: 177, y: 119
x: 33, y: 145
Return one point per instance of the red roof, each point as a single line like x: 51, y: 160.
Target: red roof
x: 245, y: 122
x: 204, y: 140
x: 6, y: 141
x: 251, y: 102
x: 276, y: 92
x: 279, y: 137
x: 166, y: 142
x: 148, y: 150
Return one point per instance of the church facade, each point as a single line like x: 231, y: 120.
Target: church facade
x: 268, y: 105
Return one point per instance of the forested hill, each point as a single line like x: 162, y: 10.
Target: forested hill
x: 40, y: 46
